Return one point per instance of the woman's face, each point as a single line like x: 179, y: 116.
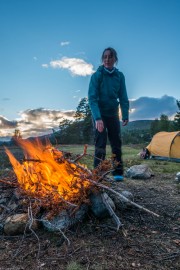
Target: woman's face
x: 108, y: 59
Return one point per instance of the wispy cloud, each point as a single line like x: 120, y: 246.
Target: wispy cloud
x: 65, y: 43
x: 45, y: 65
x: 76, y: 66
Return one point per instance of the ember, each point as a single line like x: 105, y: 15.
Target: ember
x: 46, y: 174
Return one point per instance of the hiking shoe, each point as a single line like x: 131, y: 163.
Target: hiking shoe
x: 118, y: 178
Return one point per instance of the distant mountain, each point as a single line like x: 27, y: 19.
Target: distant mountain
x: 138, y: 124
x: 53, y: 137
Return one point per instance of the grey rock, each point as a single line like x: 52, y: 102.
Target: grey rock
x: 177, y: 178
x: 65, y: 219
x: 17, y: 224
x: 122, y: 203
x: 98, y: 207
x: 139, y: 172
x: 128, y: 195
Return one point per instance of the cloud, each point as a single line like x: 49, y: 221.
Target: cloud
x: 7, y: 127
x: 41, y: 121
x: 5, y: 123
x: 65, y: 43
x: 45, y: 65
x: 76, y: 66
x: 34, y: 122
x: 6, y: 99
x: 44, y: 117
x: 151, y: 108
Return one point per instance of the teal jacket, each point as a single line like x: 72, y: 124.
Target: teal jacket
x: 106, y: 92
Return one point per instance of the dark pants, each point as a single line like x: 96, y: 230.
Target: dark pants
x: 112, y: 131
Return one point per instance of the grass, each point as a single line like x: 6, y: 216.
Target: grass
x: 162, y: 167
x: 130, y: 158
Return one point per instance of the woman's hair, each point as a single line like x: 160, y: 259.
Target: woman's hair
x: 113, y: 53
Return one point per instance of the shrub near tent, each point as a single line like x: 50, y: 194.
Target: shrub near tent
x: 165, y: 145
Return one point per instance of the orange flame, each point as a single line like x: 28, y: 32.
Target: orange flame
x: 46, y: 173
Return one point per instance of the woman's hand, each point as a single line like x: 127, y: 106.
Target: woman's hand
x: 99, y: 125
x: 125, y: 122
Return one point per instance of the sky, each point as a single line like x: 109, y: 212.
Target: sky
x: 50, y: 48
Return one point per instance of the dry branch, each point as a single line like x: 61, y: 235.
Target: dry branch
x: 111, y: 212
x: 82, y: 155
x: 115, y: 192
x: 4, y: 181
x: 124, y: 198
x: 31, y: 220
x: 28, y: 226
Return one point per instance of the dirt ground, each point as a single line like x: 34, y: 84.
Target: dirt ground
x: 144, y: 242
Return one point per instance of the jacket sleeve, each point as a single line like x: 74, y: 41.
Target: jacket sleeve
x: 93, y: 96
x: 123, y: 99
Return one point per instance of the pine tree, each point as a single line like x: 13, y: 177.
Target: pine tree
x: 164, y: 123
x: 16, y: 137
x: 155, y: 127
x: 80, y: 130
x: 83, y: 109
x: 176, y: 121
x: 83, y: 114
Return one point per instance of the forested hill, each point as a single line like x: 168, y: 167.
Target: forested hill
x: 138, y: 124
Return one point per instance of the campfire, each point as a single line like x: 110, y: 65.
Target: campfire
x: 52, y: 182
x: 47, y: 175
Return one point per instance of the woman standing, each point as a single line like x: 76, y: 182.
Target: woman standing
x: 107, y: 90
